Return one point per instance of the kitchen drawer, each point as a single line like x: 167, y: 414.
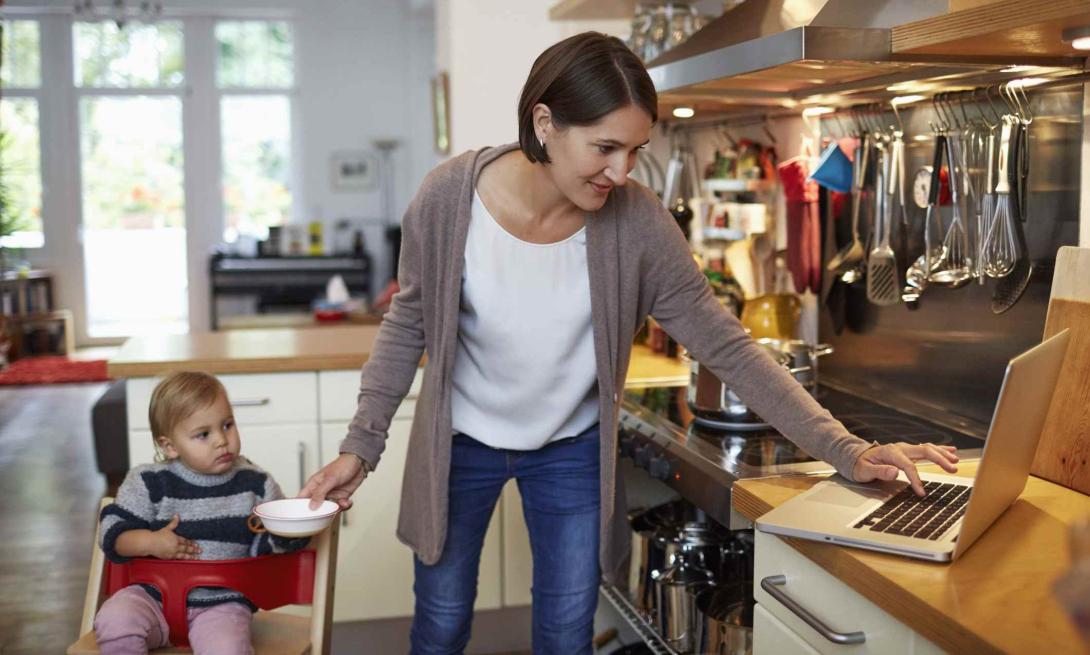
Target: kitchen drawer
x: 834, y: 603
x: 772, y: 637
x: 338, y: 391
x: 258, y: 399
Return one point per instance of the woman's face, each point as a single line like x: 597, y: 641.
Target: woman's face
x: 588, y: 161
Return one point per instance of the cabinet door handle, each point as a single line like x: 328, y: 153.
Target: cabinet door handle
x: 250, y: 402
x: 772, y: 585
x: 302, y: 464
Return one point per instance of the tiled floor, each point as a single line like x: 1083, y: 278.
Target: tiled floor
x: 49, y: 492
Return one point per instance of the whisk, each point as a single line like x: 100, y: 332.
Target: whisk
x: 1000, y: 250
x: 954, y: 266
x: 987, y: 205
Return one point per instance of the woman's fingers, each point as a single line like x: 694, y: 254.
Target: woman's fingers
x: 946, y: 457
x: 896, y: 456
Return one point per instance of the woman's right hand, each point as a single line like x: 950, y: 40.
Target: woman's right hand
x: 335, y: 481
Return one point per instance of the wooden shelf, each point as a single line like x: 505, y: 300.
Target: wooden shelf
x: 1017, y: 29
x: 25, y: 326
x: 592, y: 9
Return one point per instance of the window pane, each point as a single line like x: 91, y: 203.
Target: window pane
x: 254, y: 54
x: 133, y: 215
x: 20, y: 174
x: 141, y: 55
x: 22, y: 64
x: 256, y: 163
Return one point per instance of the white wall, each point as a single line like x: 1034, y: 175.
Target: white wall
x: 487, y: 48
x: 363, y: 73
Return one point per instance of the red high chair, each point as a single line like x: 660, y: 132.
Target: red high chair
x: 304, y: 577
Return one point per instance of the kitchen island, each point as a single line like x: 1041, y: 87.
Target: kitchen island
x: 996, y: 599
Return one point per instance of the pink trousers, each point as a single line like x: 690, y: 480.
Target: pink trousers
x: 131, y: 622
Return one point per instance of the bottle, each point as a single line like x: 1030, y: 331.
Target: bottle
x: 315, y: 240
x: 683, y: 214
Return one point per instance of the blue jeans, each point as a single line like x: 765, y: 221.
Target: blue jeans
x: 559, y: 488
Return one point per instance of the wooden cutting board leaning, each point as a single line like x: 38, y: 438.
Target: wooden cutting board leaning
x: 1064, y: 451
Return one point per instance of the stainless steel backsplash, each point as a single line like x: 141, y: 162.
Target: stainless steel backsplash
x: 946, y: 360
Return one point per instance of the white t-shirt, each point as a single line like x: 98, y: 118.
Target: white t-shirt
x: 525, y: 372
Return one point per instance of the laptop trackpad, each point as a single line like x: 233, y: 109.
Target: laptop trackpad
x: 846, y: 496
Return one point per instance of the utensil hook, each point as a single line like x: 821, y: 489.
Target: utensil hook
x: 980, y: 108
x: 988, y: 95
x: 1027, y: 113
x: 940, y: 127
x: 897, y: 115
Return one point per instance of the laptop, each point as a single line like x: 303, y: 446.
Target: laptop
x: 887, y: 516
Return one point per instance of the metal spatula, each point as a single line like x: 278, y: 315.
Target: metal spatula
x: 882, y: 263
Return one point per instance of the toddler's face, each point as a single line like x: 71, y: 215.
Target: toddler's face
x: 207, y: 440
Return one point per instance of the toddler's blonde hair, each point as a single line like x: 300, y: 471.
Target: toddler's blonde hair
x: 176, y: 397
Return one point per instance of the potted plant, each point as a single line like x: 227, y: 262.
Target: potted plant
x: 11, y: 221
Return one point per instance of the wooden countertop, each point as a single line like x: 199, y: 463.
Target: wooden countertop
x: 996, y: 599
x: 246, y: 351
x: 309, y: 349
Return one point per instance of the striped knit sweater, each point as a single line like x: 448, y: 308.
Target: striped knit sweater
x: 212, y: 510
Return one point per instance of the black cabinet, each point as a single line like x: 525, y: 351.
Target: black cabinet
x: 284, y: 283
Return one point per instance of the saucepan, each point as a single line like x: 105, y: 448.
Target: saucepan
x: 712, y: 399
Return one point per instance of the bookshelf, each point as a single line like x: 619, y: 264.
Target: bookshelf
x: 35, y: 327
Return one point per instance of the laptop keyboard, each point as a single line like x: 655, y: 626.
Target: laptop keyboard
x: 909, y: 515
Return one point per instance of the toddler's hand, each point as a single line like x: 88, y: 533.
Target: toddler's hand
x: 167, y: 545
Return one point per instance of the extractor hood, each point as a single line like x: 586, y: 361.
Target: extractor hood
x: 784, y: 53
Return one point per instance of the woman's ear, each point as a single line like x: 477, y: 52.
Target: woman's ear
x: 543, y: 121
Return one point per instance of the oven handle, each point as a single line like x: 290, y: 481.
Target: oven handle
x: 772, y: 585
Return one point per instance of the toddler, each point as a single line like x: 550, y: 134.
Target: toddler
x: 191, y: 504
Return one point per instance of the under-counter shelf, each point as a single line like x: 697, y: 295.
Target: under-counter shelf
x: 620, y: 603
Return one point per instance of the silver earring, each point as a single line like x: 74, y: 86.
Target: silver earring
x: 541, y: 142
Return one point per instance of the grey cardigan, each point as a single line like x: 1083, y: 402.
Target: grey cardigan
x: 639, y: 264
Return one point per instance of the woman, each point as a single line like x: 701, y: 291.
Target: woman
x: 525, y: 272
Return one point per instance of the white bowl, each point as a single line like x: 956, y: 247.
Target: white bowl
x: 292, y: 517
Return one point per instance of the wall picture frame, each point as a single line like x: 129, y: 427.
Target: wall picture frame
x: 440, y: 104
x: 354, y: 170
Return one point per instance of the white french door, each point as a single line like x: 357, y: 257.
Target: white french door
x: 130, y: 87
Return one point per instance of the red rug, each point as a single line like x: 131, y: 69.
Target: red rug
x: 53, y: 370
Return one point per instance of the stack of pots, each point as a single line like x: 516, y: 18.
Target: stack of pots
x: 677, y: 561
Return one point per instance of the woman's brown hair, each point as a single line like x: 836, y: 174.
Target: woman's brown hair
x: 580, y: 80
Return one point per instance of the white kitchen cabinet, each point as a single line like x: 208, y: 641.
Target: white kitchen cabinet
x: 374, y: 569
x: 778, y: 629
x: 290, y: 452
x: 256, y: 398
x: 771, y: 636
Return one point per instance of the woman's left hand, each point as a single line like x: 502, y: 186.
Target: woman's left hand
x: 883, y: 462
